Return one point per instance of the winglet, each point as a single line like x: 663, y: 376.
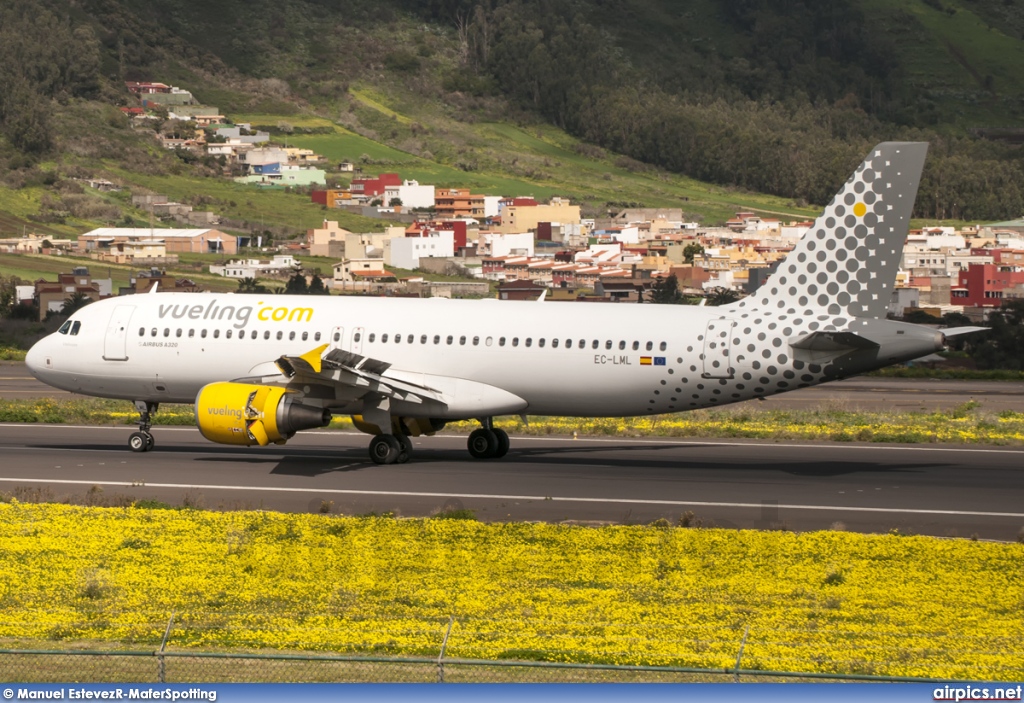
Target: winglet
x: 543, y: 294
x: 313, y: 357
x: 156, y: 284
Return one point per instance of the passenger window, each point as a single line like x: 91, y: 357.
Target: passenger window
x: 177, y: 332
x: 305, y: 336
x: 568, y: 344
x: 75, y: 328
x: 167, y: 331
x: 636, y: 345
x: 216, y: 334
x: 153, y: 332
x: 384, y: 337
x: 203, y: 334
x: 583, y: 344
x: 228, y: 335
x: 142, y: 331
x: 254, y: 334
x: 501, y: 341
x: 423, y: 339
x: 540, y: 342
x: 489, y: 341
x: 398, y: 339
x: 529, y: 341
x: 266, y: 334
x: 554, y: 343
x: 316, y: 337
x: 437, y: 339
x: 650, y: 346
x: 476, y: 341
x: 596, y: 344
x: 411, y: 339
x: 622, y: 344
x: 65, y: 327
x: 515, y: 341
x: 337, y: 336
x: 663, y: 346
x: 373, y: 335
x: 355, y: 338
x: 192, y: 333
x: 291, y: 336
x: 280, y: 335
x: 462, y: 340
x: 450, y: 338
x: 608, y: 344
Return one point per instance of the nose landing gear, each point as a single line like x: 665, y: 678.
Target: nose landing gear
x: 142, y: 441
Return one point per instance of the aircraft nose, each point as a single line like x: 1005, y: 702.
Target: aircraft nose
x: 36, y: 360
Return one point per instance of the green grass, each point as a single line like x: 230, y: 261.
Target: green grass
x: 951, y: 54
x: 31, y: 267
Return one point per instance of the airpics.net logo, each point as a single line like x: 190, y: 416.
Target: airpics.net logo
x: 977, y: 693
x: 239, y: 315
x: 226, y: 411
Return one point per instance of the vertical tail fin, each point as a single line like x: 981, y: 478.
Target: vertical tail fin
x: 847, y: 263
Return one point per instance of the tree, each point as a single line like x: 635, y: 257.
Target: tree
x: 692, y: 250
x: 395, y: 202
x: 1003, y: 346
x: 317, y: 287
x: 297, y: 285
x: 251, y: 285
x: 723, y: 296
x: 73, y: 303
x: 666, y: 292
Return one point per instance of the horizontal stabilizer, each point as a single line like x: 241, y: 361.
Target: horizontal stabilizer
x: 833, y: 341
x: 957, y: 331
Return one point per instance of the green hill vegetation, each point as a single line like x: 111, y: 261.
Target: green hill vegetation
x: 703, y: 104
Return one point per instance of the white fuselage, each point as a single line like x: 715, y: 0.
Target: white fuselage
x: 560, y: 358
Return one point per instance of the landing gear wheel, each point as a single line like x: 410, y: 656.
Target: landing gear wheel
x: 139, y: 442
x: 503, y: 443
x: 406, y: 453
x: 482, y: 444
x: 384, y: 449
x: 150, y: 442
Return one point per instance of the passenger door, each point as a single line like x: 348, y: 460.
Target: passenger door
x: 115, y: 343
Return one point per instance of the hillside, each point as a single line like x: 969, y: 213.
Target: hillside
x: 607, y: 102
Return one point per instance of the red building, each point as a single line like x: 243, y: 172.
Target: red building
x: 983, y: 285
x: 373, y: 187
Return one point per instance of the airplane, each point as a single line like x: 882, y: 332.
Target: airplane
x: 260, y: 368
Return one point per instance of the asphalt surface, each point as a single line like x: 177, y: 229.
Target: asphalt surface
x: 861, y: 393
x: 920, y: 489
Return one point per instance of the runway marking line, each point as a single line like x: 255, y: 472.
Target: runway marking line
x: 487, y: 496
x: 842, y: 446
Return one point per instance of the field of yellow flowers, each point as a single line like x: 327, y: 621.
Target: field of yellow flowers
x: 825, y: 601
x: 967, y: 424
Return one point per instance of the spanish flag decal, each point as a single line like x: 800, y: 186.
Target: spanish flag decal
x: 646, y: 361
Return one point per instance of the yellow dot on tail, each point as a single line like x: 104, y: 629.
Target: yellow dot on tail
x: 859, y: 209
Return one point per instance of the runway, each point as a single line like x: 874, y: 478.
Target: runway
x: 860, y: 393
x: 915, y: 489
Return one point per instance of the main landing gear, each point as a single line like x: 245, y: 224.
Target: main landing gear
x: 142, y: 441
x: 390, y: 449
x: 488, y: 442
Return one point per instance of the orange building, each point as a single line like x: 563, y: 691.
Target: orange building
x: 457, y: 202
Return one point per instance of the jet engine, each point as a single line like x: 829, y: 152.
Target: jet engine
x: 240, y: 413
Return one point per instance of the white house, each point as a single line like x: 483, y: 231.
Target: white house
x: 411, y: 193
x: 406, y: 252
x: 281, y: 264
x: 495, y: 244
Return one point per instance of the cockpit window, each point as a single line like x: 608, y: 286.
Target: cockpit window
x: 65, y: 327
x: 75, y: 328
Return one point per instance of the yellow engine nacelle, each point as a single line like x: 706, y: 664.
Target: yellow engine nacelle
x: 240, y: 413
